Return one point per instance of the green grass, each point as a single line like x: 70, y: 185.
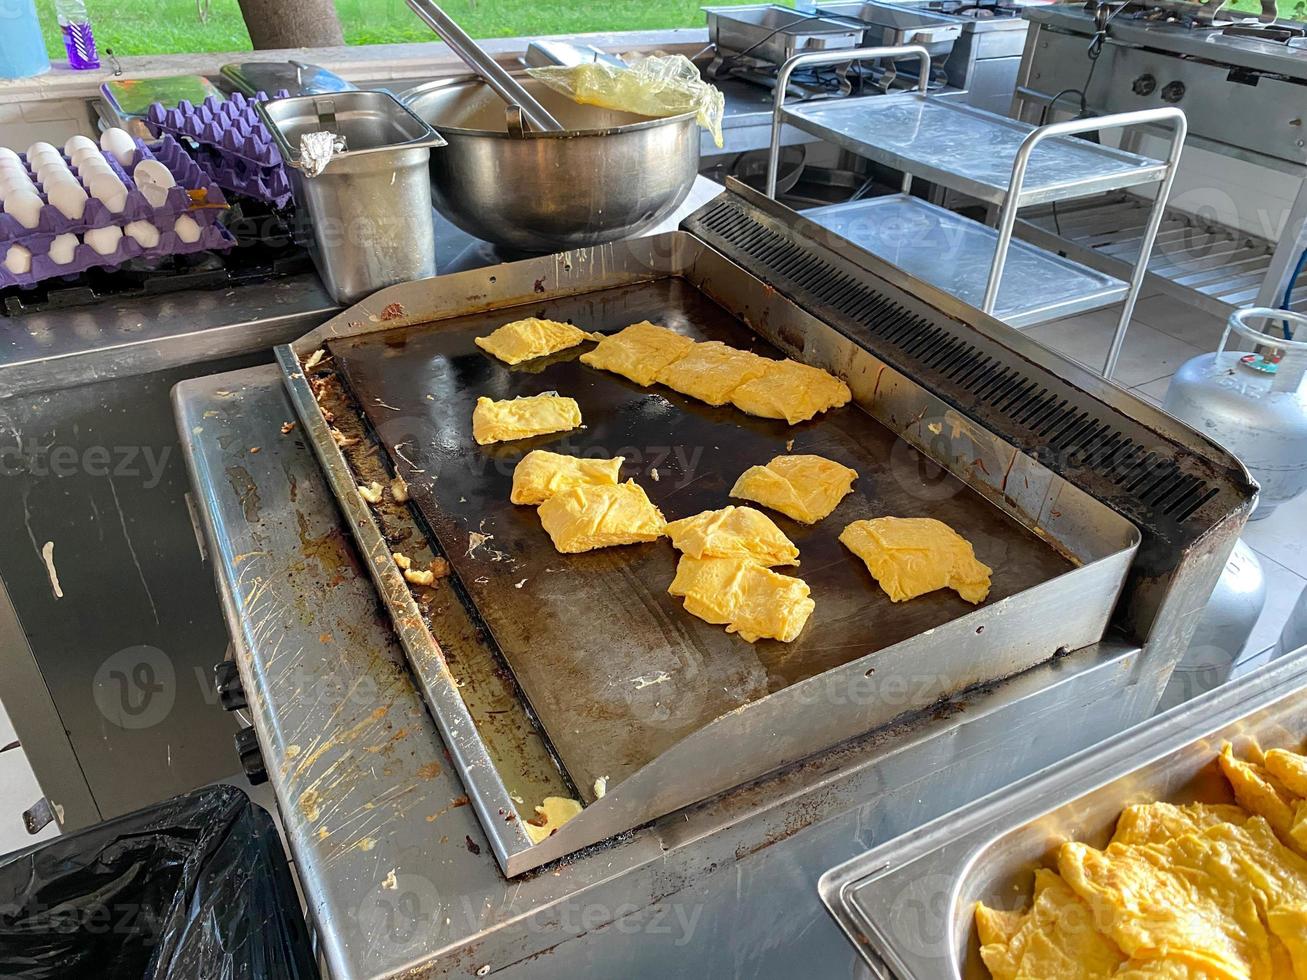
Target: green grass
x: 168, y: 26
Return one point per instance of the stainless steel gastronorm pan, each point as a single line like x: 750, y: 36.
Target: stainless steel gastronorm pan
x: 908, y: 904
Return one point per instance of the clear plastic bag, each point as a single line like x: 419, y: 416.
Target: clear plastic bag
x: 659, y: 85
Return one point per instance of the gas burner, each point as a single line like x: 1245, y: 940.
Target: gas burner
x: 974, y: 9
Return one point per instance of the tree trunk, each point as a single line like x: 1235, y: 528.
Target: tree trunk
x: 292, y: 23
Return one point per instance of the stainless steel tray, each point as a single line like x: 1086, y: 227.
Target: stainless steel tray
x: 763, y: 727
x: 954, y: 253
x: 908, y: 904
x: 768, y: 32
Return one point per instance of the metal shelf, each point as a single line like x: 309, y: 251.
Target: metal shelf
x: 954, y: 253
x: 969, y: 150
x: 1205, y: 264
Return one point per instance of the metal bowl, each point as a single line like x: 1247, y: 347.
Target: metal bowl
x: 609, y: 176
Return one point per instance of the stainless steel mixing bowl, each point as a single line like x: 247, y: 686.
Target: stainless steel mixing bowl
x: 610, y: 175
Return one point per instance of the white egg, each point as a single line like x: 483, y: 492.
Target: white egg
x: 39, y: 147
x: 79, y: 142
x: 104, y: 240
x: 108, y: 189
x: 68, y: 197
x: 41, y: 157
x: 120, y: 143
x: 18, y: 260
x: 7, y: 154
x: 80, y: 156
x: 52, y: 173
x: 25, y: 206
x: 154, y: 180
x: 143, y: 233
x: 63, y: 249
x: 12, y: 168
x: 12, y: 183
x: 187, y: 229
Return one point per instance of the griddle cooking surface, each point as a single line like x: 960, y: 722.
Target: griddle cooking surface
x: 614, y: 667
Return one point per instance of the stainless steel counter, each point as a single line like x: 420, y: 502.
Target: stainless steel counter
x: 397, y: 873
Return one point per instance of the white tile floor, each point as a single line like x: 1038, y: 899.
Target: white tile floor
x: 1164, y: 334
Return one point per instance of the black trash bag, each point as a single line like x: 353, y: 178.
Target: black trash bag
x: 194, y: 888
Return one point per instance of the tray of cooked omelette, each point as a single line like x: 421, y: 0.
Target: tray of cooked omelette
x: 659, y: 519
x: 1176, y: 850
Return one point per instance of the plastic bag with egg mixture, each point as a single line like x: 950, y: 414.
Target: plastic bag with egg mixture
x: 659, y: 86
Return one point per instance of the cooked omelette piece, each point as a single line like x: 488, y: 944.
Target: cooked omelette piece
x: 1156, y: 823
x: 733, y: 532
x: 1226, y: 900
x: 1260, y: 791
x: 588, y: 517
x: 541, y: 474
x: 523, y: 340
x: 1289, y: 768
x: 791, y: 391
x: 910, y: 556
x: 1055, y: 940
x: 741, y: 595
x: 711, y: 371
x: 806, y: 488
x: 639, y: 352
x: 549, y: 816
x: 521, y: 418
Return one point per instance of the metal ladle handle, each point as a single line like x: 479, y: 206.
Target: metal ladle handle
x: 504, y: 84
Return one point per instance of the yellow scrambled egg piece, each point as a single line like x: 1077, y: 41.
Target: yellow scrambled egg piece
x: 1289, y: 768
x: 733, y: 532
x: 910, y: 556
x: 523, y: 340
x: 711, y: 371
x: 806, y: 488
x: 549, y: 816
x: 1055, y: 940
x: 541, y: 474
x: 521, y: 418
x: 791, y: 391
x: 1260, y: 791
x: 588, y: 517
x: 639, y: 352
x: 744, y: 597
x: 1205, y: 899
x: 1156, y: 823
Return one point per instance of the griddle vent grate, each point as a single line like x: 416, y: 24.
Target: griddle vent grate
x: 1038, y: 418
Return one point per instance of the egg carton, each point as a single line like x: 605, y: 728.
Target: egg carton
x: 268, y: 184
x: 189, y: 177
x: 230, y: 126
x: 213, y: 237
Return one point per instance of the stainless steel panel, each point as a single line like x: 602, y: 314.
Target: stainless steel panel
x: 954, y: 253
x: 1083, y: 527
x: 971, y: 151
x: 769, y: 32
x: 908, y: 905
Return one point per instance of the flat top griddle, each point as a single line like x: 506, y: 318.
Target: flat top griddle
x: 614, y: 667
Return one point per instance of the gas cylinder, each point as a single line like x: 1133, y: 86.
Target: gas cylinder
x: 1253, y: 404
x: 1223, y: 631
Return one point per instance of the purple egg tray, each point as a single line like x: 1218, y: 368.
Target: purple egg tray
x: 52, y: 223
x: 229, y: 125
x: 235, y: 147
x: 268, y: 184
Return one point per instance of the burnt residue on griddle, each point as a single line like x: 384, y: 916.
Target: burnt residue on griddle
x: 513, y: 738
